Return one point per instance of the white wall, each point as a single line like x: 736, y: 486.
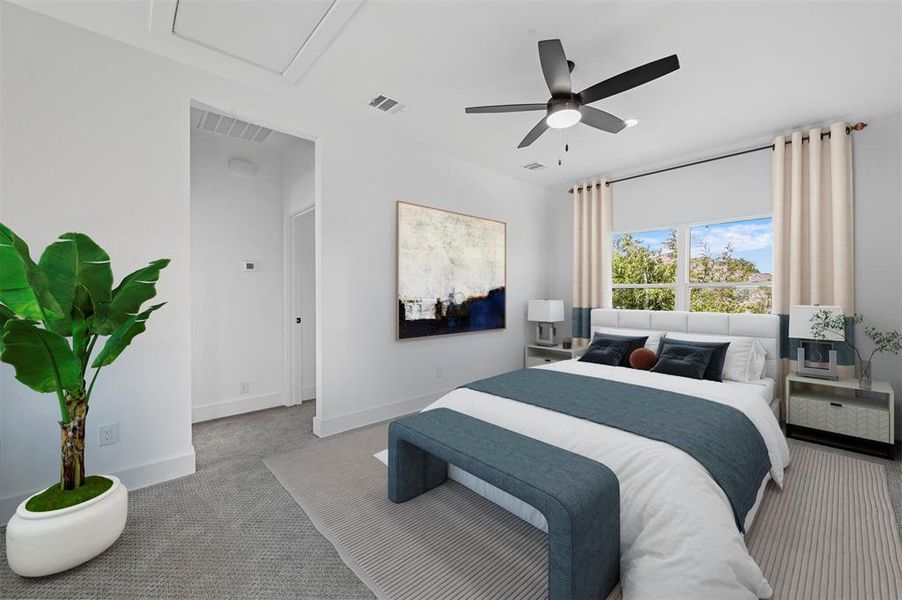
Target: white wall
x: 96, y: 138
x: 740, y: 186
x: 80, y: 152
x: 878, y: 229
x: 366, y: 374
x: 298, y: 176
x: 238, y: 323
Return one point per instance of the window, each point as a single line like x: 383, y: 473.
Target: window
x: 730, y: 267
x: 716, y: 267
x: 644, y: 270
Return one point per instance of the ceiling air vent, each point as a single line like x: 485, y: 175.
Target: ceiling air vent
x: 386, y: 104
x: 533, y: 166
x: 232, y: 127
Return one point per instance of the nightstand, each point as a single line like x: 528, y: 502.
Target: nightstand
x: 848, y: 415
x: 535, y: 355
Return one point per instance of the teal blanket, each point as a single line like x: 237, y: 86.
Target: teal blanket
x: 719, y: 437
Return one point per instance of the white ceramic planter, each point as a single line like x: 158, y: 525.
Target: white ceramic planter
x: 43, y: 543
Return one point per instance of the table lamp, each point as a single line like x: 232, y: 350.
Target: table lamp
x: 545, y: 313
x: 800, y: 329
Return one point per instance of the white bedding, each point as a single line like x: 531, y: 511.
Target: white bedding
x: 678, y: 533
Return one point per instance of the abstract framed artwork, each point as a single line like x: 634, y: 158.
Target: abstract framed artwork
x: 452, y: 271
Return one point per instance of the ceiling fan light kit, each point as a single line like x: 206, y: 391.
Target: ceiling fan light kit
x: 565, y: 108
x: 563, y: 114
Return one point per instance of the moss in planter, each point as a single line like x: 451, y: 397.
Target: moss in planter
x: 53, y: 498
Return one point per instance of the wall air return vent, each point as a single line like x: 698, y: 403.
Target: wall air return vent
x: 388, y: 105
x: 533, y: 166
x: 232, y: 127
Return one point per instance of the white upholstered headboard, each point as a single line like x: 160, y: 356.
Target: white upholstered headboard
x: 764, y: 328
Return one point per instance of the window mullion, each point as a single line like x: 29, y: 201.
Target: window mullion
x: 683, y: 253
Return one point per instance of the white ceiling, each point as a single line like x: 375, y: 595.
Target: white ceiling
x: 266, y: 34
x: 749, y: 70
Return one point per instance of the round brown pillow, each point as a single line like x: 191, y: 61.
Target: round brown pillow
x: 643, y: 359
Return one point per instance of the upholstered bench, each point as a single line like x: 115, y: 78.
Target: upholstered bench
x: 579, y: 497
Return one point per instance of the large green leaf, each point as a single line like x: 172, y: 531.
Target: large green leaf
x: 5, y: 315
x: 42, y: 359
x: 24, y: 287
x: 122, y: 337
x: 135, y: 289
x: 75, y: 260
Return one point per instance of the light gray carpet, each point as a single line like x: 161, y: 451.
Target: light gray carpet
x: 830, y: 533
x: 228, y: 531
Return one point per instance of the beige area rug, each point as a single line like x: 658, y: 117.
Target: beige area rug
x: 829, y: 534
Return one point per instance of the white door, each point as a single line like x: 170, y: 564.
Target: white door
x: 303, y: 282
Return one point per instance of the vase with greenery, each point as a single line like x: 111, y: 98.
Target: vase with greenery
x: 61, y: 323
x: 826, y: 321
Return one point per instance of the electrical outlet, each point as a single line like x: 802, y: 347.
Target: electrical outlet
x: 438, y: 372
x: 108, y: 434
x: 245, y: 387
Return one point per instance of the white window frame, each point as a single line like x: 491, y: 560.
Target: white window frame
x: 682, y: 285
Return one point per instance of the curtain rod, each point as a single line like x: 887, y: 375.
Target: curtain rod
x: 856, y: 127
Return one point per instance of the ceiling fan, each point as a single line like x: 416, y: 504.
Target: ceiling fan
x: 564, y: 108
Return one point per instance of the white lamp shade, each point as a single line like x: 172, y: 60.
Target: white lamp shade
x: 800, y: 322
x: 545, y: 311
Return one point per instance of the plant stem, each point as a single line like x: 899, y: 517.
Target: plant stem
x: 87, y: 357
x: 91, y: 387
x: 850, y: 344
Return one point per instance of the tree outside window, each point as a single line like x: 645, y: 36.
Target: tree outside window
x: 645, y: 270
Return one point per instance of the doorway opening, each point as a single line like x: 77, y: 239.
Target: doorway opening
x: 253, y: 281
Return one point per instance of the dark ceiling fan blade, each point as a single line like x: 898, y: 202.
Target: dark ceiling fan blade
x: 504, y: 108
x: 555, y: 67
x: 601, y: 120
x: 534, y: 133
x: 630, y: 79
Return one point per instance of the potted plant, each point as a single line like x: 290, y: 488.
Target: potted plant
x: 53, y: 316
x: 824, y: 321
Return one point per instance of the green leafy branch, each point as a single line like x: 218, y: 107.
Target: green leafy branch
x: 825, y: 321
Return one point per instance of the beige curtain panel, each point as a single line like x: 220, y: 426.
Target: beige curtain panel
x: 813, y: 227
x: 591, y: 254
x: 813, y: 220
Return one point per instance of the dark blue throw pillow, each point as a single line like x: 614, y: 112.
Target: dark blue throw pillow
x: 714, y: 371
x: 603, y: 355
x: 683, y: 361
x: 625, y: 343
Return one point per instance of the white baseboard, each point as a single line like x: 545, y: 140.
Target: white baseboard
x: 134, y: 478
x: 368, y: 416
x: 236, y: 406
x: 308, y: 392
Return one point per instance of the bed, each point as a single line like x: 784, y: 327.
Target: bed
x: 679, y: 536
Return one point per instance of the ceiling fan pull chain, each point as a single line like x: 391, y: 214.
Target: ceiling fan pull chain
x: 560, y: 140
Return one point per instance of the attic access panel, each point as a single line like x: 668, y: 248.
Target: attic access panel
x: 267, y: 33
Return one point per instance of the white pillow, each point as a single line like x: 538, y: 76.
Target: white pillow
x: 758, y: 364
x: 654, y: 337
x: 738, y: 364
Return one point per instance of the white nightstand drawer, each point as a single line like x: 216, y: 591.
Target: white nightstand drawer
x: 534, y: 355
x: 534, y: 361
x: 840, y: 415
